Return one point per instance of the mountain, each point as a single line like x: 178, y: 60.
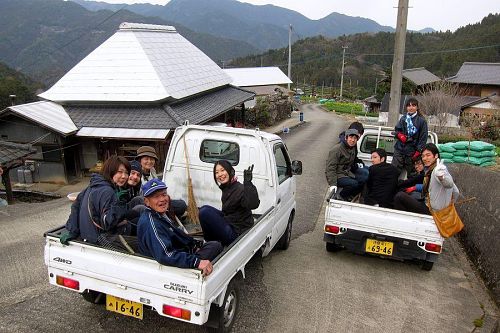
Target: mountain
x: 265, y: 27
x: 45, y: 38
x: 318, y: 60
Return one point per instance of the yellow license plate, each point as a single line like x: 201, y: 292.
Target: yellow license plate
x: 379, y: 247
x: 123, y: 306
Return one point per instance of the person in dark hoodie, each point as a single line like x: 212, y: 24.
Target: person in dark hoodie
x: 382, y: 181
x: 238, y: 200
x: 338, y: 170
x: 161, y: 239
x: 98, y: 211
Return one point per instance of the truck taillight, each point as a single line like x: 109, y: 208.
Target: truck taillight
x: 433, y: 247
x: 332, y: 228
x: 68, y: 283
x: 176, y: 312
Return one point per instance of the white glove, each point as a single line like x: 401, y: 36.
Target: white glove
x: 360, y: 165
x: 440, y: 168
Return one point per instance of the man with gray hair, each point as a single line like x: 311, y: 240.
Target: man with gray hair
x: 338, y: 167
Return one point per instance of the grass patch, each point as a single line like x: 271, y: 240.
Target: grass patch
x: 349, y: 108
x: 479, y: 322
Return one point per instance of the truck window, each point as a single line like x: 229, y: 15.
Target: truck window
x: 212, y: 151
x: 283, y: 164
x: 369, y: 144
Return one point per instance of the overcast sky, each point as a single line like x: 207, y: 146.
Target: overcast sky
x: 437, y: 14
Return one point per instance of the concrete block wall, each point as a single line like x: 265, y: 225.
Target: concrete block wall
x: 481, y: 234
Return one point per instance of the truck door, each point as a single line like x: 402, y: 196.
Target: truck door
x: 285, y: 189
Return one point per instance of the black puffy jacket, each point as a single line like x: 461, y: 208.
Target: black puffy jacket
x: 238, y: 200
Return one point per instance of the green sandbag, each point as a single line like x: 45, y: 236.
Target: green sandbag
x: 485, y: 164
x: 446, y: 147
x: 484, y: 153
x: 461, y: 145
x: 461, y: 152
x: 447, y: 161
x: 447, y: 156
x: 459, y: 159
x: 474, y: 161
x: 481, y: 146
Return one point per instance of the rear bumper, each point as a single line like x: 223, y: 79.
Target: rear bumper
x: 404, y: 249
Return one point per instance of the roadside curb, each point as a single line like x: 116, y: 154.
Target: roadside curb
x: 290, y: 127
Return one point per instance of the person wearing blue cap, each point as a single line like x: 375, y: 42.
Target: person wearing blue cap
x: 159, y: 238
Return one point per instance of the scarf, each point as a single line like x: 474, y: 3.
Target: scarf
x: 427, y: 179
x: 410, y: 128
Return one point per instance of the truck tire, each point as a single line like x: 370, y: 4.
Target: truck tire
x: 332, y: 247
x: 94, y: 297
x: 427, y: 265
x: 225, y: 315
x: 284, y: 241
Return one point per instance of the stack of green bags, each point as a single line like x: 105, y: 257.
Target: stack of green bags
x: 473, y: 152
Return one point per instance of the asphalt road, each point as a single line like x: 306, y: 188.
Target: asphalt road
x: 303, y: 289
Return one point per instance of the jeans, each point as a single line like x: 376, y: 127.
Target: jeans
x: 215, y: 227
x: 406, y: 202
x: 209, y: 250
x: 353, y: 186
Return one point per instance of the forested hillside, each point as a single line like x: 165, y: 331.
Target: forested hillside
x: 44, y: 39
x: 15, y: 83
x: 318, y: 60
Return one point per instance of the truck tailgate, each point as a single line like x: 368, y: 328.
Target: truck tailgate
x: 384, y: 221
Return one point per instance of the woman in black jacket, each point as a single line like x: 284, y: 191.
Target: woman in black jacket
x: 238, y: 200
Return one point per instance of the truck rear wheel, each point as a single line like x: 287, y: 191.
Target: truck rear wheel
x: 226, y: 314
x: 94, y: 297
x: 332, y: 247
x: 284, y: 241
x: 427, y: 265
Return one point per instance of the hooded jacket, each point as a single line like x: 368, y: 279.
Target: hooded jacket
x: 160, y: 239
x: 97, y: 203
x: 339, y: 163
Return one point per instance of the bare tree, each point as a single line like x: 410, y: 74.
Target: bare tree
x: 441, y: 102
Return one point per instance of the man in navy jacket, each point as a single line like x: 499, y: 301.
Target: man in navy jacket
x: 159, y: 237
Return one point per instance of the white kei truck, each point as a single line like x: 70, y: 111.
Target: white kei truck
x: 132, y: 282
x: 383, y: 232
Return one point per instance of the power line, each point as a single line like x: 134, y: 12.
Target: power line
x: 427, y: 52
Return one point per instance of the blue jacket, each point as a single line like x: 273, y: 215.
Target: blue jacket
x: 100, y: 202
x: 160, y: 239
x: 417, y: 141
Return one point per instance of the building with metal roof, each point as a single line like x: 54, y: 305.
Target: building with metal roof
x: 132, y: 90
x: 419, y: 76
x: 478, y: 78
x: 257, y: 76
x: 12, y: 155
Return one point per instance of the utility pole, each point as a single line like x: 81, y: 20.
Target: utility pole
x: 342, y: 75
x: 289, y: 54
x: 397, y: 63
x: 376, y: 82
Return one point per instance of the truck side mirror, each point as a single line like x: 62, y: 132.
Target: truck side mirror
x: 296, y: 167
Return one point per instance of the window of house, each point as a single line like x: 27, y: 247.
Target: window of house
x: 212, y: 151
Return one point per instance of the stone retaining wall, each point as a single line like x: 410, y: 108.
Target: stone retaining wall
x: 481, y: 234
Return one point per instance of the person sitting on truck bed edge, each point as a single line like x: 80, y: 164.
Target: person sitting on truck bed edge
x: 238, y: 200
x: 99, y: 212
x: 438, y: 185
x: 338, y: 167
x: 414, y: 185
x: 358, y: 167
x: 159, y: 238
x: 382, y: 181
x: 411, y: 134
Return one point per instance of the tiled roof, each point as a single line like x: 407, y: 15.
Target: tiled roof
x: 477, y: 73
x: 139, y: 63
x: 420, y: 76
x: 120, y: 116
x: 128, y: 133
x: 47, y: 114
x: 209, y: 106
x: 257, y: 76
x: 10, y: 151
